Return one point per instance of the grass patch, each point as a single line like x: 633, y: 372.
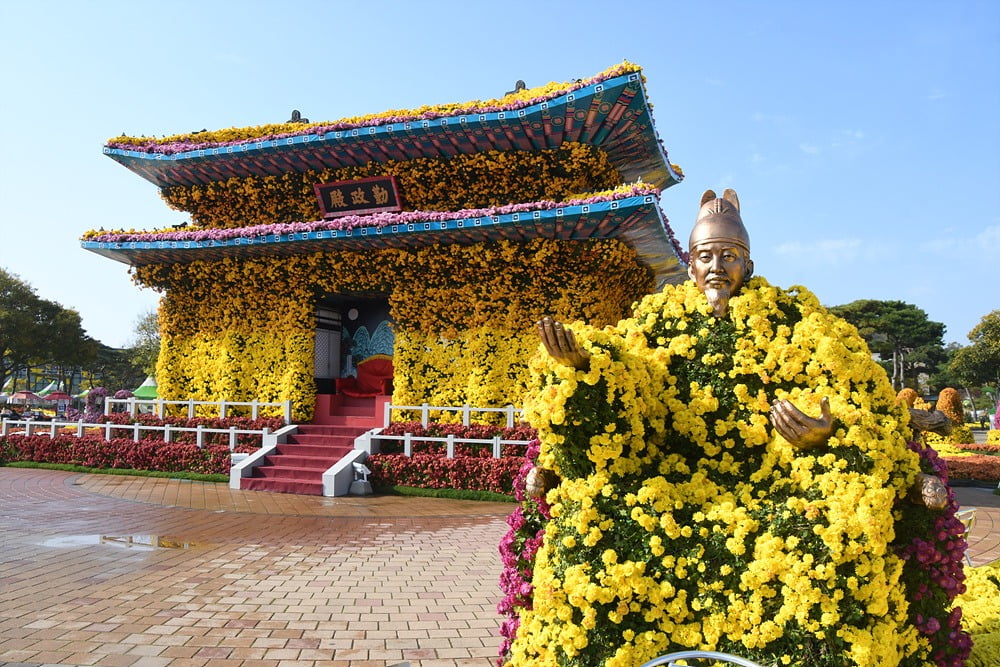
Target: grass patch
x: 454, y: 494
x: 67, y: 467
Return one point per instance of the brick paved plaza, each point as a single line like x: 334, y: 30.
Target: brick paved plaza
x: 254, y: 578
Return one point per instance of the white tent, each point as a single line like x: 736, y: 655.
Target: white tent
x: 51, y: 387
x: 147, y: 389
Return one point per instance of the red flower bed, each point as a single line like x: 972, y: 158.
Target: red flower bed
x: 979, y: 467
x: 96, y: 452
x: 985, y: 448
x: 429, y: 471
x: 444, y: 429
x: 241, y: 423
x: 472, y: 469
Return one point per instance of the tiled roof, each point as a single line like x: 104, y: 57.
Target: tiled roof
x: 612, y: 114
x: 637, y: 220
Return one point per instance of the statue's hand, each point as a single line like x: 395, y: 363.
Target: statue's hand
x: 540, y: 481
x: 930, y: 492
x: 801, y: 431
x: 561, y: 344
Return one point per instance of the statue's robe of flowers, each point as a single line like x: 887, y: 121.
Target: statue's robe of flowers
x: 682, y: 519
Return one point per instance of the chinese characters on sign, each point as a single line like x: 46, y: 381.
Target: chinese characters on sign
x: 365, y: 195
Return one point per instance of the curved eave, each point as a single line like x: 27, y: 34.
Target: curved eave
x: 636, y: 220
x: 613, y: 115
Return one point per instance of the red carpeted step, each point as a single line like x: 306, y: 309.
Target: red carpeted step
x: 320, y: 463
x: 289, y: 472
x: 297, y: 466
x: 328, y: 429
x: 322, y: 440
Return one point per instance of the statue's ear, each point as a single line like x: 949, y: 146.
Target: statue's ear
x: 707, y: 197
x: 730, y: 196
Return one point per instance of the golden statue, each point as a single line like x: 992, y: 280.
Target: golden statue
x: 719, y: 264
x: 719, y: 249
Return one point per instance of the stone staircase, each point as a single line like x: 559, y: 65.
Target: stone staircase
x: 298, y: 465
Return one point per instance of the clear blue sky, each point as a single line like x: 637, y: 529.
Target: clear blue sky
x: 863, y: 138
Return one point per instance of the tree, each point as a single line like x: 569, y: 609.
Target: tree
x: 18, y: 330
x: 114, y: 369
x: 978, y: 364
x: 37, y: 332
x: 145, y: 346
x: 906, y: 340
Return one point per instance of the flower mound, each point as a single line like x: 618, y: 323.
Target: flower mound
x: 682, y: 521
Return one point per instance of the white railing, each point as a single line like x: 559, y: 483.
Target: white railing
x: 450, y: 441
x: 466, y: 410
x: 53, y: 428
x: 159, y: 406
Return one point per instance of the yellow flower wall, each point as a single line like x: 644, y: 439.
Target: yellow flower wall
x: 479, y: 180
x: 240, y: 329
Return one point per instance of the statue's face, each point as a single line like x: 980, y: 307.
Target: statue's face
x: 719, y: 268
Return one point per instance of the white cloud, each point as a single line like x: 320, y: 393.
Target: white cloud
x: 829, y: 252
x: 809, y: 149
x: 987, y: 239
x: 936, y: 94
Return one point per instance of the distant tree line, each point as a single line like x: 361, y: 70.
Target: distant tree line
x: 911, y: 349
x: 42, y: 340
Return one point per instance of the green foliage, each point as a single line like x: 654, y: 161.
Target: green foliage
x: 35, y: 331
x: 145, y: 345
x: 979, y: 363
x: 908, y: 342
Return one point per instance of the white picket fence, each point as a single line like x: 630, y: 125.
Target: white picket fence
x: 467, y: 411
x: 159, y: 406
x: 450, y: 441
x: 110, y: 430
x: 54, y: 428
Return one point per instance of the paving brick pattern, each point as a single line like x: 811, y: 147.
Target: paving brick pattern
x: 241, y: 577
x: 220, y: 577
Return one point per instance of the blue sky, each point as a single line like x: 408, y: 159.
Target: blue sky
x: 863, y: 138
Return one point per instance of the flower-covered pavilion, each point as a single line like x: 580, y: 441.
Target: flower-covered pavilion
x: 436, y: 236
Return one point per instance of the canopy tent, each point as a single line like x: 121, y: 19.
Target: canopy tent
x: 24, y: 397
x: 146, y: 390
x: 57, y: 397
x: 51, y: 387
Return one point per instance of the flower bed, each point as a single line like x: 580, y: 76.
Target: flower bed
x: 473, y: 468
x: 981, y: 606
x: 444, y: 429
x: 150, y: 453
x: 431, y: 471
x: 96, y: 452
x: 978, y: 467
x: 243, y: 440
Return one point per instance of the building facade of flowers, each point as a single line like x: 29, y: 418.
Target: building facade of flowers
x: 437, y: 235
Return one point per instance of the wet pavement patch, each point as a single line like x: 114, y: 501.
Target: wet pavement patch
x: 135, y: 542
